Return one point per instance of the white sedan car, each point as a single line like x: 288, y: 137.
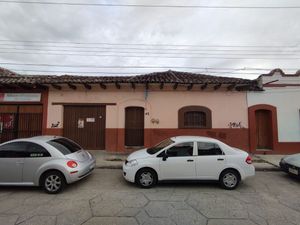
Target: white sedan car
x: 188, y: 158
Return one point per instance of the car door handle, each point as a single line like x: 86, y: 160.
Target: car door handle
x: 220, y: 159
x: 190, y: 160
x: 20, y: 162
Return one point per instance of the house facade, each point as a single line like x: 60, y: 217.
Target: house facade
x: 274, y: 116
x: 126, y: 113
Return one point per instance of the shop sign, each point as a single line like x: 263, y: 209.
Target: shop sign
x: 20, y: 97
x: 90, y: 120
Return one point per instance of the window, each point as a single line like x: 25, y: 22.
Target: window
x: 206, y: 148
x: 194, y: 117
x: 65, y: 146
x: 13, y: 150
x: 34, y: 151
x: 182, y: 149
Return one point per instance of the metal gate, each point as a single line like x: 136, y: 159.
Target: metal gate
x: 19, y: 121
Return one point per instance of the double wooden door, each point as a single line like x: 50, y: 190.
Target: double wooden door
x: 85, y: 125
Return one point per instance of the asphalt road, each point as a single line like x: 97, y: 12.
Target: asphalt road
x: 104, y: 198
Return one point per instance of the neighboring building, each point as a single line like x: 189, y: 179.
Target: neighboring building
x: 274, y: 117
x: 23, y: 107
x: 124, y: 113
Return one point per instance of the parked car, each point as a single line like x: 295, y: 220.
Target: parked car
x: 291, y: 164
x: 47, y: 161
x: 188, y: 158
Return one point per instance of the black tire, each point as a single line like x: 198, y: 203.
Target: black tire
x: 229, y: 179
x: 53, y: 182
x: 146, y: 178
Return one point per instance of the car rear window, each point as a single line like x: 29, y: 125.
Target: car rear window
x: 65, y: 146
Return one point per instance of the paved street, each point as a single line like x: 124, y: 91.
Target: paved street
x: 271, y: 198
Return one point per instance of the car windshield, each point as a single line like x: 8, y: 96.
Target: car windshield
x: 160, y: 146
x: 65, y: 146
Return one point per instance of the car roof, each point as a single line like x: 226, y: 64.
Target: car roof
x: 193, y: 138
x: 42, y: 138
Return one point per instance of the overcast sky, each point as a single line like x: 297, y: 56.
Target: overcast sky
x: 88, y: 38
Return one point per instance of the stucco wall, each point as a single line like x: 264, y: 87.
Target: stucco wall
x: 226, y: 106
x: 286, y: 100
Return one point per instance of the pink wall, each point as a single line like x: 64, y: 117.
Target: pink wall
x: 226, y: 106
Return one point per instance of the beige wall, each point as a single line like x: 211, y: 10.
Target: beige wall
x: 163, y: 105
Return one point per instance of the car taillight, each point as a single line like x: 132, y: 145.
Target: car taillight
x: 72, y: 164
x: 248, y: 160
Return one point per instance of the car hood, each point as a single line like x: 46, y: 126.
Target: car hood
x: 293, y: 159
x: 140, y: 154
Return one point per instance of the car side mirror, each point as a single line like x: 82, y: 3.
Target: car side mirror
x: 165, y: 156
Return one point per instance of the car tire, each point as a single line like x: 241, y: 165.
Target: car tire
x: 229, y: 179
x: 146, y: 178
x: 53, y: 182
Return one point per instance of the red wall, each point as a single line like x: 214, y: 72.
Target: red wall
x: 115, y: 141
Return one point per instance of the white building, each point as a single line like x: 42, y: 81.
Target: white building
x: 274, y: 118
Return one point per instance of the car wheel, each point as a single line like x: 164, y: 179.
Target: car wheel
x: 53, y: 182
x: 146, y: 178
x: 229, y: 179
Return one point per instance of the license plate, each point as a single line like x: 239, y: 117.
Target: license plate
x: 293, y: 171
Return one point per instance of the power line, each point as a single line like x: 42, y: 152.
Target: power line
x: 204, y: 56
x: 78, y: 72
x: 127, y: 73
x: 152, y: 5
x: 166, y: 51
x: 147, y: 44
x: 149, y: 54
x: 139, y: 66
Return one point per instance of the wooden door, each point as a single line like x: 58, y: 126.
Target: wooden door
x: 85, y: 125
x: 264, y: 135
x: 134, y: 126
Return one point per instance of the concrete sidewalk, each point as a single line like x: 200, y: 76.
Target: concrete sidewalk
x: 106, y: 160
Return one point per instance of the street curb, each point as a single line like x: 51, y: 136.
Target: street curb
x: 276, y: 169
x: 109, y: 167
x: 120, y: 167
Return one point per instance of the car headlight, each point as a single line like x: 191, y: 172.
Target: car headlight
x: 131, y: 163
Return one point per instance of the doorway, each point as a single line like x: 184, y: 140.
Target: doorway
x: 134, y: 126
x: 264, y: 131
x: 20, y: 121
x: 85, y: 125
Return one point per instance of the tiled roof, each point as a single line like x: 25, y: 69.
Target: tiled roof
x: 278, y: 70
x: 156, y: 77
x: 186, y: 78
x: 7, y: 73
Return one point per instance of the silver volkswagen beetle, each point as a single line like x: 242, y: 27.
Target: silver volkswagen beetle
x: 47, y: 161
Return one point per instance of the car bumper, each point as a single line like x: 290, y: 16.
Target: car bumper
x: 249, y: 172
x: 82, y: 171
x: 129, y: 173
x: 290, y: 169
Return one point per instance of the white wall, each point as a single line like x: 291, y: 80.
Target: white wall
x: 287, y: 102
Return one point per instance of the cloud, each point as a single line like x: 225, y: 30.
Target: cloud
x: 150, y: 26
